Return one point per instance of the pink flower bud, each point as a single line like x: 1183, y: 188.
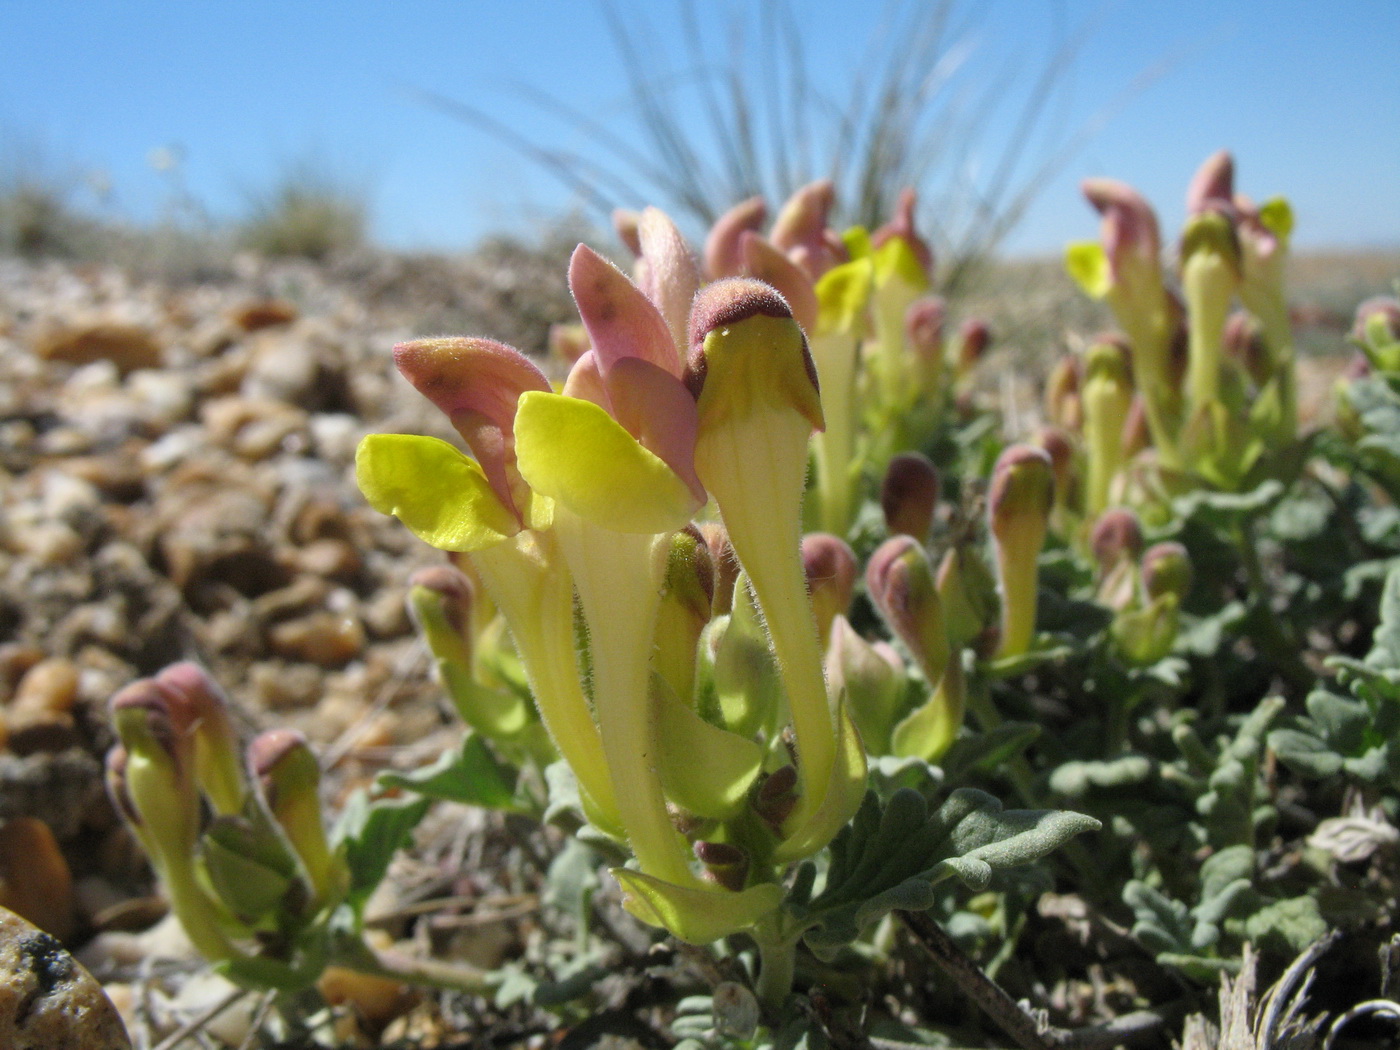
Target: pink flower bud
x: 763, y: 262
x: 1129, y: 228
x: 724, y: 256
x: 724, y: 863
x: 625, y: 223
x: 974, y: 336
x: 1213, y: 181
x: 800, y: 228
x: 1166, y: 569
x: 830, y: 567
x: 900, y: 580
x: 909, y: 495
x: 902, y: 226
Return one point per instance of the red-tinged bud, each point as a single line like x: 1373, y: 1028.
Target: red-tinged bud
x: 974, y: 336
x: 1166, y: 569
x: 764, y: 262
x: 1129, y: 228
x: 1213, y: 181
x: 1117, y: 536
x: 1137, y: 434
x: 1059, y: 446
x: 1244, y: 344
x: 900, y: 580
x: 625, y: 224
x: 150, y: 719
x: 1019, y: 499
x: 767, y: 365
x: 288, y: 779
x: 440, y: 603
x: 568, y: 342
x: 725, y: 563
x: 800, y: 228
x: 902, y: 226
x: 909, y: 495
x: 776, y: 797
x: 923, y: 325
x: 831, y: 570
x: 1063, y: 406
x: 1381, y: 312
x: 216, y: 763
x: 725, y: 864
x: 724, y: 256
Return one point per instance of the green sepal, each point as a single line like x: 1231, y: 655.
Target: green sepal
x: 495, y: 713
x: 440, y: 493
x: 746, y: 681
x: 704, y: 769
x: 695, y: 914
x: 841, y: 796
x: 250, y: 872
x: 1086, y: 262
x: 571, y: 450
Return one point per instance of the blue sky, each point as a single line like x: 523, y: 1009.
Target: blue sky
x: 1306, y: 94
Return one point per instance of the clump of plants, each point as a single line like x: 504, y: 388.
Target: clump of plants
x: 911, y: 732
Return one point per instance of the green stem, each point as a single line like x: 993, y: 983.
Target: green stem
x: 777, y: 965
x: 529, y: 583
x: 619, y: 576
x: 423, y: 972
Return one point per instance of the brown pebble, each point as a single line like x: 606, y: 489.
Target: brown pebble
x: 48, y: 1001
x: 322, y: 638
x: 35, y: 882
x: 263, y: 313
x: 127, y: 346
x: 40, y: 716
x: 328, y: 558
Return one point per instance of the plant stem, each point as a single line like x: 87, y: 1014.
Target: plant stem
x: 399, y: 967
x: 777, y: 964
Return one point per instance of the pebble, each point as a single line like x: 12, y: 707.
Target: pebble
x: 35, y: 882
x: 40, y: 715
x: 47, y: 1000
x: 127, y: 346
x: 323, y: 638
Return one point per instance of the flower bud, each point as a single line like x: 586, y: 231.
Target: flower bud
x: 1019, y: 500
x: 1213, y: 182
x: 1107, y: 398
x: 686, y: 604
x: 568, y: 342
x: 902, y: 226
x: 288, y: 780
x: 724, y: 255
x: 763, y: 262
x: 1244, y: 344
x: 1063, y: 406
x: 872, y: 679
x: 724, y: 562
x: 968, y: 593
x: 909, y: 495
x: 1137, y: 435
x: 923, y: 329
x: 800, y: 228
x: 440, y: 600
x: 830, y: 567
x: 1117, y: 537
x: 1166, y: 569
x: 900, y: 580
x: 776, y: 797
x: 1377, y: 331
x: 625, y: 222
x: 1059, y: 446
x: 974, y: 336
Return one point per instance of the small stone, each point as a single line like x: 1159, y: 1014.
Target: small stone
x: 127, y: 346
x: 322, y: 638
x: 40, y: 716
x: 35, y: 882
x: 263, y: 313
x: 328, y: 558
x: 48, y: 1001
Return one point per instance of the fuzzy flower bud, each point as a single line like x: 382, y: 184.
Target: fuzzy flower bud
x: 288, y: 781
x: 909, y: 495
x: 830, y: 567
x: 1166, y: 569
x: 1019, y: 499
x: 872, y: 679
x: 900, y: 579
x: 724, y: 255
x: 974, y: 337
x: 1213, y: 182
x: 1107, y: 398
